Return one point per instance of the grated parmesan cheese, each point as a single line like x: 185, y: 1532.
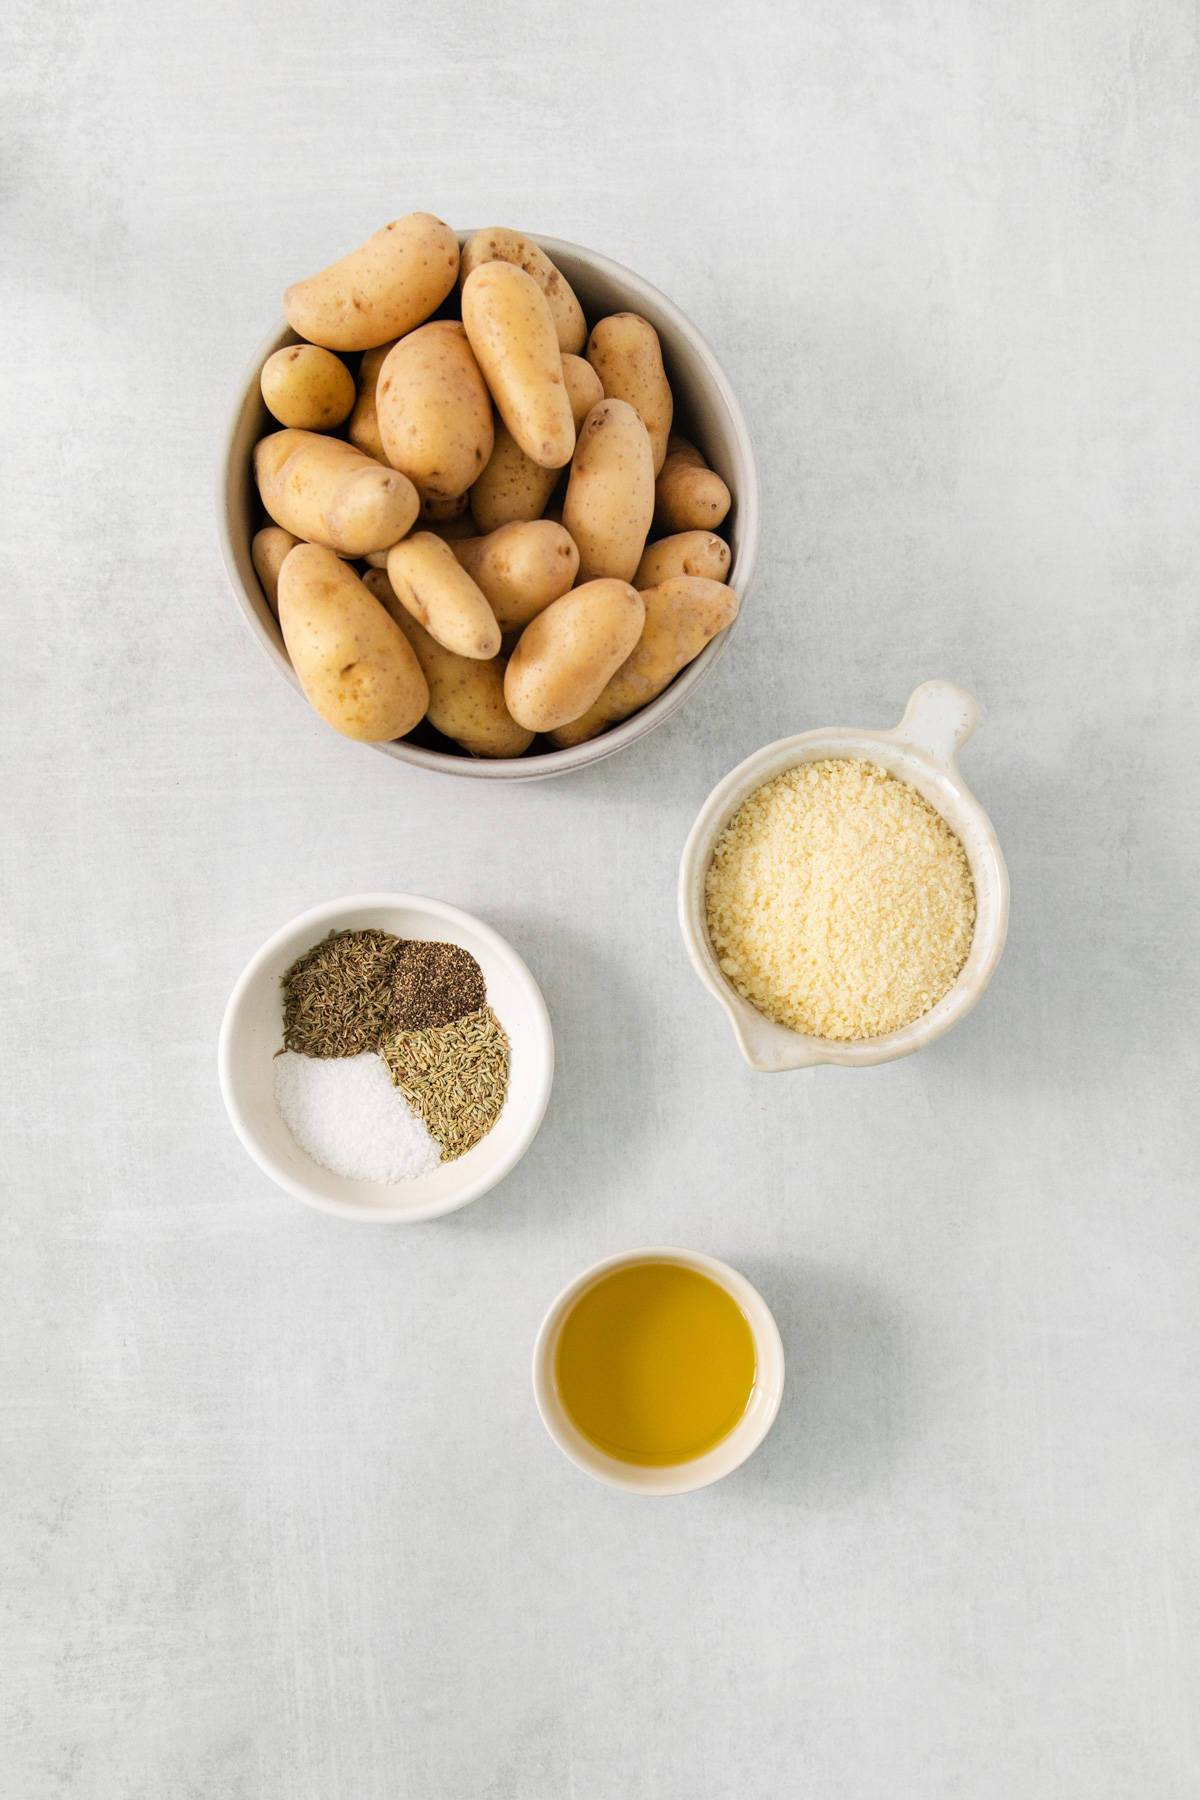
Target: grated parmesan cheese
x: 839, y: 901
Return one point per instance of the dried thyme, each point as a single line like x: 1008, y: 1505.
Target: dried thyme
x: 454, y: 1076
x: 338, y: 996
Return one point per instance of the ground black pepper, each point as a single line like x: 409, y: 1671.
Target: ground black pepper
x: 434, y: 984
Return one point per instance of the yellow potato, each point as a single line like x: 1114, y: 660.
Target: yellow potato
x: 327, y: 492
x: 682, y: 615
x: 466, y: 696
x: 309, y: 388
x: 565, y: 656
x: 441, y: 511
x: 363, y: 429
x: 434, y: 411
x: 356, y: 667
x: 441, y: 596
x: 688, y: 495
x: 687, y: 553
x: 610, y: 495
x: 584, y: 387
x: 625, y: 352
x: 268, y: 548
x: 520, y: 568
x: 513, y: 486
x: 507, y: 318
x: 379, y: 291
x: 496, y: 244
x: 461, y: 526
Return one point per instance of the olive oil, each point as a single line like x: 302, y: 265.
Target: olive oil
x: 655, y: 1363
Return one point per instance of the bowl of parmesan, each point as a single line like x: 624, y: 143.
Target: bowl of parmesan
x: 842, y: 893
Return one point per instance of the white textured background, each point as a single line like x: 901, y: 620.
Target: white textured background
x: 281, y: 1521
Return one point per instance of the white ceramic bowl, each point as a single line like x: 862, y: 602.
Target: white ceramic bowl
x: 706, y: 411
x: 723, y: 1458
x: 252, y: 1031
x: 922, y: 750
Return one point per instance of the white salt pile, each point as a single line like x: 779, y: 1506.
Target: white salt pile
x: 345, y: 1112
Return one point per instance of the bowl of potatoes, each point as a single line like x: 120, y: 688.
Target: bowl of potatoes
x: 489, y: 505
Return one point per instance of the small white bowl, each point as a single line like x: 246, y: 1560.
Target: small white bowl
x: 252, y: 1031
x: 723, y: 1458
x: 707, y: 410
x: 921, y: 750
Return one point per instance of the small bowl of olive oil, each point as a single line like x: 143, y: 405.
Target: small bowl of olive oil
x: 659, y: 1370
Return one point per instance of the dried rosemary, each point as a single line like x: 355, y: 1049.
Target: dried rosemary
x: 454, y: 1076
x: 338, y: 996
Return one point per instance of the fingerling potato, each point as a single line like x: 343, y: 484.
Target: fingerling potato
x: 625, y: 352
x: 307, y: 387
x: 686, y: 553
x: 268, y: 548
x: 441, y: 596
x: 327, y: 492
x: 381, y: 290
x: 496, y: 244
x: 507, y: 319
x: 363, y: 429
x: 682, y: 615
x: 688, y: 495
x: 355, y: 665
x: 466, y: 696
x: 520, y: 568
x: 514, y: 487
x: 565, y: 656
x: 609, y: 504
x: 435, y: 412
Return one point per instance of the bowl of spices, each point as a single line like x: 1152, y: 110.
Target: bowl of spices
x: 842, y: 893
x: 659, y: 1370
x: 386, y: 1057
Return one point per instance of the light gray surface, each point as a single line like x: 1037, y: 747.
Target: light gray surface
x: 281, y: 1519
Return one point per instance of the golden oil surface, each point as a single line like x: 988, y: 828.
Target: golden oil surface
x: 655, y: 1363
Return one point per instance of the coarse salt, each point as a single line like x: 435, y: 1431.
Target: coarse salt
x: 345, y: 1112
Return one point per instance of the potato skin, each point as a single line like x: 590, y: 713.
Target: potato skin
x: 565, y: 656
x: 309, y: 388
x: 584, y: 387
x: 682, y: 615
x: 325, y: 491
x: 625, y: 352
x: 429, y: 581
x: 514, y: 487
x: 688, y: 495
x: 495, y: 243
x: 357, y: 669
x: 466, y: 696
x: 381, y: 290
x: 520, y: 568
x: 461, y: 526
x: 268, y: 548
x: 686, y: 553
x: 363, y: 429
x: 610, y: 495
x: 435, y: 412
x: 508, y: 322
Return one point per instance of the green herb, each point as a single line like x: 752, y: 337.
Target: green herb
x: 454, y: 1076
